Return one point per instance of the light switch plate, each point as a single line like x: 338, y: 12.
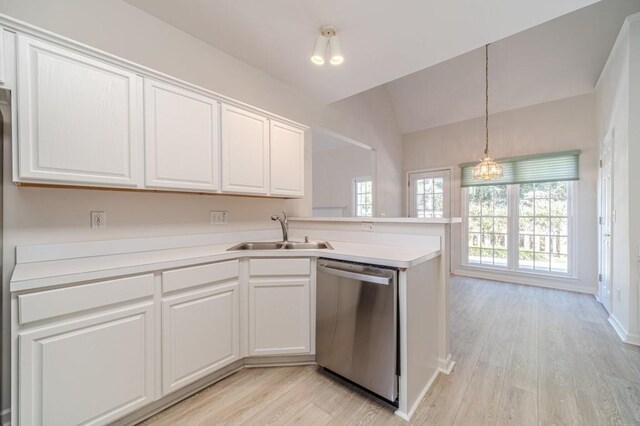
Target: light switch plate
x: 217, y: 217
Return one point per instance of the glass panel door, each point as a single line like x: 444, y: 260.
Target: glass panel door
x: 429, y: 195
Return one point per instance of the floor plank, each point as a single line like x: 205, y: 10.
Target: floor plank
x: 524, y: 356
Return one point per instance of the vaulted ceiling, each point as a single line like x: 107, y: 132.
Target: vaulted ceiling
x: 555, y: 60
x: 383, y: 40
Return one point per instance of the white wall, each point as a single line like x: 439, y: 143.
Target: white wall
x: 550, y: 127
x: 634, y: 179
x: 617, y: 100
x: 333, y: 173
x: 370, y: 118
x: 34, y: 215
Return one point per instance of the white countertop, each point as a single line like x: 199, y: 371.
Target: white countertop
x: 445, y: 220
x: 36, y: 275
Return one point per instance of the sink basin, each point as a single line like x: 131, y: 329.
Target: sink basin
x: 279, y: 245
x: 276, y: 245
x: 308, y: 246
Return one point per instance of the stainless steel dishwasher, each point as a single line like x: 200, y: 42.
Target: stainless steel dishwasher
x: 357, y: 324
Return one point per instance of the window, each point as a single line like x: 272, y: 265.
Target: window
x: 363, y: 197
x: 544, y: 227
x: 523, y: 221
x: 520, y: 227
x: 429, y: 194
x: 488, y: 229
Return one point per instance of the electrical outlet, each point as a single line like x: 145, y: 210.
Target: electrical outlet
x: 217, y: 218
x: 367, y: 226
x: 98, y: 220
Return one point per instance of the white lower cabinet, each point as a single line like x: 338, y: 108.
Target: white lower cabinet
x: 90, y: 370
x: 200, y: 334
x: 280, y: 307
x: 95, y: 352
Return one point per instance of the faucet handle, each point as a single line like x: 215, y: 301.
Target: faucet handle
x: 275, y: 217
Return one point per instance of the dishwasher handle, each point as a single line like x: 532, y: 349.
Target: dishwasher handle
x: 373, y: 279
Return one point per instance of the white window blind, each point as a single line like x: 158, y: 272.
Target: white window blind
x: 552, y: 167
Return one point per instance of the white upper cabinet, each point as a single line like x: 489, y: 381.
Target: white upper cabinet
x: 182, y: 138
x: 245, y: 151
x: 287, y: 160
x: 86, y: 118
x: 79, y: 119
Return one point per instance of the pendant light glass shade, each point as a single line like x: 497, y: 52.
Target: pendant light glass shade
x: 319, y: 49
x: 487, y: 169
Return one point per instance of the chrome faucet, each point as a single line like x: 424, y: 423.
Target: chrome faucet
x: 284, y: 223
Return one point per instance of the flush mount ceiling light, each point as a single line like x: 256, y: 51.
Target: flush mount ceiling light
x: 328, y: 40
x: 487, y: 168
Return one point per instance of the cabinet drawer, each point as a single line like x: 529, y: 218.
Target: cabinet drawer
x: 181, y: 279
x: 280, y: 267
x: 54, y: 303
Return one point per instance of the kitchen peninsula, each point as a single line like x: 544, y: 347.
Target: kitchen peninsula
x: 157, y: 319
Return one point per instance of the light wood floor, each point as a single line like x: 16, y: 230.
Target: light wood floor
x: 524, y: 355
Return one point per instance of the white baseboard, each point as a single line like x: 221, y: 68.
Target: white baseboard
x: 625, y: 336
x: 446, y: 365
x: 416, y: 404
x: 5, y: 417
x: 536, y: 281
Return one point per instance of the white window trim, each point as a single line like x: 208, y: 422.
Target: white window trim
x: 512, y: 268
x: 354, y: 201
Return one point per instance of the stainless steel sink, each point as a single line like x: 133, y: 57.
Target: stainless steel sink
x: 258, y: 246
x: 308, y: 246
x: 280, y: 245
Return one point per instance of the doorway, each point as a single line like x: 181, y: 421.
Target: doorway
x: 430, y: 194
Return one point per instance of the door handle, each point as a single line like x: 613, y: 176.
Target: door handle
x: 356, y: 276
x: 606, y: 235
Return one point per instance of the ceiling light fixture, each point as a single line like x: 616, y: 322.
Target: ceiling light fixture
x: 487, y: 168
x: 319, y: 50
x: 328, y: 38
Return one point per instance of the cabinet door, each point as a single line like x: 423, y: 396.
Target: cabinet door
x: 287, y: 160
x: 182, y: 139
x: 79, y: 119
x: 200, y: 334
x: 279, y: 316
x: 245, y: 151
x: 90, y: 370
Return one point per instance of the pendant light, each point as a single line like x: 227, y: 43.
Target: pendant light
x: 487, y: 168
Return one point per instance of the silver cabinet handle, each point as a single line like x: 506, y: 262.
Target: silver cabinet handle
x: 356, y: 276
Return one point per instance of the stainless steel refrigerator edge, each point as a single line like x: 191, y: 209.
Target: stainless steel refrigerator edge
x: 357, y: 324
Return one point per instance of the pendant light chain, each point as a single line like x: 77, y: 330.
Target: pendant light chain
x: 487, y: 169
x: 486, y: 99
